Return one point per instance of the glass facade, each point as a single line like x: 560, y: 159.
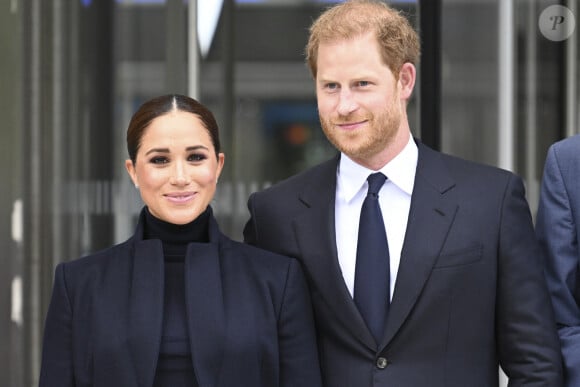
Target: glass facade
x: 73, y: 72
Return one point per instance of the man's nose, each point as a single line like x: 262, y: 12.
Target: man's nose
x: 347, y: 103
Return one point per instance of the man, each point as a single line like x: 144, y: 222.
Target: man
x: 558, y: 232
x: 460, y: 269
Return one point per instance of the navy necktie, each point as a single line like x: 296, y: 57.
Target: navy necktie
x: 372, y: 272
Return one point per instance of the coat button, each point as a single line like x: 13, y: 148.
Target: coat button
x: 382, y: 363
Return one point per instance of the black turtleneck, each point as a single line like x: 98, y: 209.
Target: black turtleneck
x: 175, y: 368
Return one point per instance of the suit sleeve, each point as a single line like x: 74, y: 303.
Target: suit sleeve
x: 57, y: 365
x: 557, y: 233
x: 299, y: 364
x: 529, y: 351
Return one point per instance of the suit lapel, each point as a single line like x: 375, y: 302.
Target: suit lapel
x: 430, y: 217
x: 316, y: 237
x: 146, y: 309
x: 205, y: 307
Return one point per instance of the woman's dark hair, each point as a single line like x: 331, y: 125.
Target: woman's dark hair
x: 162, y: 105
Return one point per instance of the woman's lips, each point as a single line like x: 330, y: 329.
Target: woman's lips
x: 179, y: 197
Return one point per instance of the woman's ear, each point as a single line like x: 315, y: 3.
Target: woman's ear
x: 130, y: 167
x: 221, y: 160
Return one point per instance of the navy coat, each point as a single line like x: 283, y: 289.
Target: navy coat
x: 248, y: 310
x: 469, y: 294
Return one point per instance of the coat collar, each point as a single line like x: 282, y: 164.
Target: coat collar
x: 204, y: 305
x: 430, y: 217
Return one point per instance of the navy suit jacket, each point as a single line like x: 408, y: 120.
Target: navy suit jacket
x: 557, y: 227
x: 249, y: 317
x: 469, y: 293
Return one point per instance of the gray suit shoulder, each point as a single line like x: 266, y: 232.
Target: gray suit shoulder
x: 569, y: 146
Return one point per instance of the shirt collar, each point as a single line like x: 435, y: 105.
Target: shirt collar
x: 400, y: 171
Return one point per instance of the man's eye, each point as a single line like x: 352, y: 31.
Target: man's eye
x: 363, y: 83
x: 331, y: 86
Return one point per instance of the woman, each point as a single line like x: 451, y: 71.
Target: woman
x: 178, y: 304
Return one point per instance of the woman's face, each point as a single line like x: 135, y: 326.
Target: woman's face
x: 176, y: 168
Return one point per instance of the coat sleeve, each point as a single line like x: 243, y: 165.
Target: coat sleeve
x: 557, y: 232
x: 57, y: 363
x: 529, y: 351
x: 299, y: 364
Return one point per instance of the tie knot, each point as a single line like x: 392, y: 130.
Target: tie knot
x: 376, y: 181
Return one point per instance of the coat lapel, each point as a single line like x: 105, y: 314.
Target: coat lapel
x: 146, y: 309
x: 316, y: 239
x: 205, y: 307
x: 430, y: 217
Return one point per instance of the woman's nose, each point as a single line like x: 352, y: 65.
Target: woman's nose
x: 180, y: 176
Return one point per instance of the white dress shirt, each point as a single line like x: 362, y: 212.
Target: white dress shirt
x: 394, y: 199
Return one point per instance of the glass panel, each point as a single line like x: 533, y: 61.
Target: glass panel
x: 11, y: 319
x: 469, y: 79
x: 470, y: 85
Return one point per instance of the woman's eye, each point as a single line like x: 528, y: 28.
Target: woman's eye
x: 159, y: 160
x: 196, y: 157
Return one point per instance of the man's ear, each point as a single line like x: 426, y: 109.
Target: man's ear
x: 407, y: 77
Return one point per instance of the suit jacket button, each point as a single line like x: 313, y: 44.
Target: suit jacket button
x: 382, y: 363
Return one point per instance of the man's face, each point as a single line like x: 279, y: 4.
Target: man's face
x: 358, y: 96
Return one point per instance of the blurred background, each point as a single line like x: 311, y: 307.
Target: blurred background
x: 493, y: 87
